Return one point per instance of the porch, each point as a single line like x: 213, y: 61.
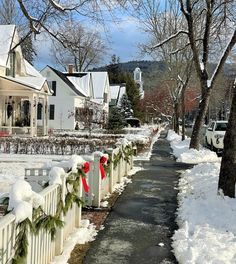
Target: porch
x: 25, y: 115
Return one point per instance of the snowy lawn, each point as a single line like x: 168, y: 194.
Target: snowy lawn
x: 207, y: 226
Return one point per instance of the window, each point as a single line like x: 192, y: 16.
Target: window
x: 105, y: 97
x: 51, y: 112
x: 12, y: 58
x: 221, y: 127
x: 39, y: 111
x: 54, y: 88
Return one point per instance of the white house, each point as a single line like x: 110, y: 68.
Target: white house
x: 67, y: 95
x: 74, y: 92
x: 23, y: 90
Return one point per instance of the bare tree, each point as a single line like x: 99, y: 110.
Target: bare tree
x: 158, y: 22
x: 208, y: 26
x: 81, y: 47
x: 47, y: 16
x: 216, y: 17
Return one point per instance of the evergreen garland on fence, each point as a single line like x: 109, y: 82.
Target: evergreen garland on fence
x: 128, y: 151
x: 116, y: 158
x: 50, y: 223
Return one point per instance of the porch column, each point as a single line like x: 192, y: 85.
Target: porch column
x: 45, y: 120
x: 32, y: 116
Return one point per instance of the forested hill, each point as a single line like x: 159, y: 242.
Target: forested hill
x: 152, y: 71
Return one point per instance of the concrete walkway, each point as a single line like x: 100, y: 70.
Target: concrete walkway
x: 140, y: 226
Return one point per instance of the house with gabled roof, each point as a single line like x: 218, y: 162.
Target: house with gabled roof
x: 23, y: 90
x: 75, y: 92
x: 68, y: 95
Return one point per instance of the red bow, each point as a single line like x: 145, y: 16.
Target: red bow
x: 86, y: 169
x: 102, y: 161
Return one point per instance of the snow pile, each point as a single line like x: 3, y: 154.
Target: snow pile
x: 85, y: 233
x: 22, y: 200
x: 207, y: 223
x: 72, y: 163
x: 104, y: 204
x: 183, y: 154
x: 55, y: 175
x: 123, y: 141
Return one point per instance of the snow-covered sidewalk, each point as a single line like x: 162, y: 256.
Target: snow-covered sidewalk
x: 207, y: 226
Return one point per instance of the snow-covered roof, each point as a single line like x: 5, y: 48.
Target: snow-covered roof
x: 114, y: 91
x: 29, y: 81
x: 121, y: 93
x: 99, y: 83
x: 6, y: 38
x: 80, y: 84
x: 31, y: 71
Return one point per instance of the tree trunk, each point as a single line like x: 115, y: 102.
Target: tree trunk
x: 183, y: 115
x: 176, y: 109
x: 203, y: 107
x: 227, y: 177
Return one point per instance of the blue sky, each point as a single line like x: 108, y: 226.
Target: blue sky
x: 122, y: 41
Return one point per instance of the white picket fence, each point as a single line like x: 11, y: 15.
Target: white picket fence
x: 41, y: 248
x: 99, y: 188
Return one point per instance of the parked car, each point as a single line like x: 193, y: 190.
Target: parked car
x: 215, y: 133
x: 188, y: 123
x: 132, y: 121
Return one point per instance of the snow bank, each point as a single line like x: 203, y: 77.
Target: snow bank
x: 183, y: 154
x: 207, y: 223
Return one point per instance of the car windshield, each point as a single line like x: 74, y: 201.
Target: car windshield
x: 221, y: 127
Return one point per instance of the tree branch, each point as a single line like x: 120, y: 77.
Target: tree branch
x: 169, y: 38
x: 223, y: 58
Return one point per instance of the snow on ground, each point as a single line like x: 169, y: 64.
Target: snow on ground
x: 12, y: 166
x: 183, y: 154
x: 207, y: 226
x: 85, y: 233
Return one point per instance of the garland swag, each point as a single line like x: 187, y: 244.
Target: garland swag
x: 50, y: 223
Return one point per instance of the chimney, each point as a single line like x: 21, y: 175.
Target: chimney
x: 70, y: 68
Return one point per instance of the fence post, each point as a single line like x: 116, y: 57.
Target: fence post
x: 111, y: 180
x: 120, y: 166
x: 96, y: 181
x: 78, y: 208
x: 29, y: 247
x: 60, y: 231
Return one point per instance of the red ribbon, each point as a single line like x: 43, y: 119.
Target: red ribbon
x: 86, y: 169
x: 102, y: 161
x: 85, y: 185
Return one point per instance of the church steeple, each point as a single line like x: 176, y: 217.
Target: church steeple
x: 138, y: 80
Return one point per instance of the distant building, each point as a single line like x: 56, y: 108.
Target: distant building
x: 138, y: 80
x: 116, y: 93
